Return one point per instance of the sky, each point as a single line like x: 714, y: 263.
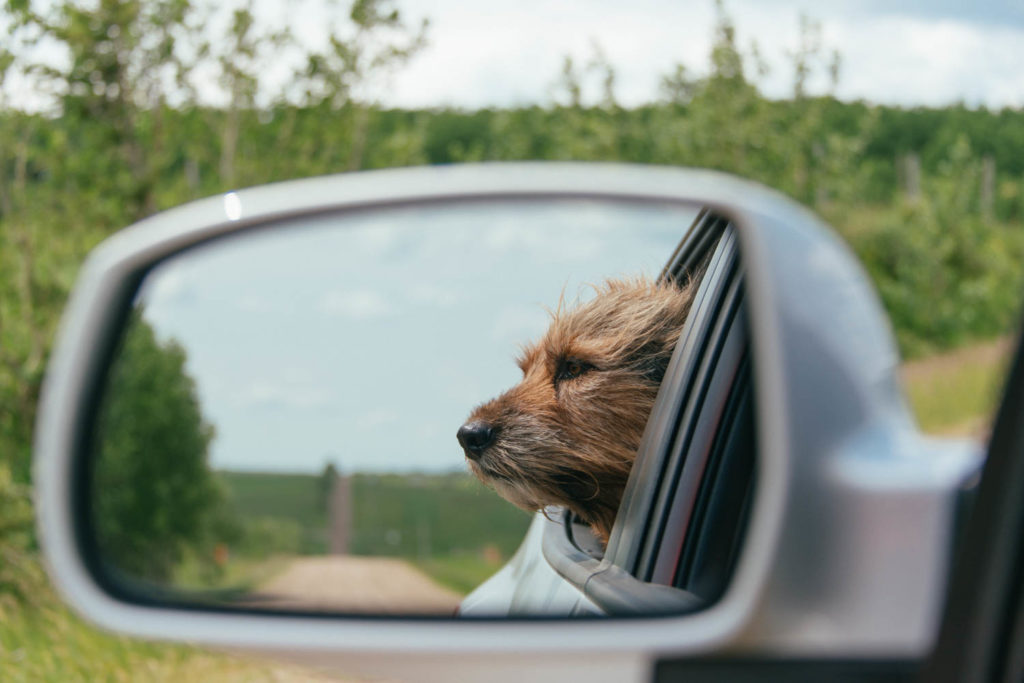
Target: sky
x: 916, y: 52
x: 366, y: 340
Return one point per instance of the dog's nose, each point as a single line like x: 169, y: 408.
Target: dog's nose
x: 475, y: 437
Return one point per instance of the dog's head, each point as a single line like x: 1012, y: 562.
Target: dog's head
x: 567, y: 434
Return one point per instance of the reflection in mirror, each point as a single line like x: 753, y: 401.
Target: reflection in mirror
x: 278, y: 426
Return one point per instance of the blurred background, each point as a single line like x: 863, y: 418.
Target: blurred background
x: 903, y: 128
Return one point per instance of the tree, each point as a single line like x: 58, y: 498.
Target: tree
x: 335, y: 80
x: 123, y: 60
x: 152, y: 490
x: 241, y: 56
x: 580, y: 131
x: 718, y: 121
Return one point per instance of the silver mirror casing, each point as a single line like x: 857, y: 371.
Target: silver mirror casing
x: 846, y: 551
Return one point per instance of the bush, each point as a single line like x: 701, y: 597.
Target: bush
x: 945, y: 277
x: 21, y: 578
x: 153, y: 493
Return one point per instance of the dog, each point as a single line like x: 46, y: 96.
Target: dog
x: 568, y: 433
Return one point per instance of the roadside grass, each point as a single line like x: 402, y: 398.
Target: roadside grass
x: 239, y: 574
x: 46, y: 642
x: 461, y: 573
x: 956, y: 393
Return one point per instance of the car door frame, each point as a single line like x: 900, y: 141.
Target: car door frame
x: 982, y: 634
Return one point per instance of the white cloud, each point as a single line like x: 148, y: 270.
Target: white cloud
x: 511, y: 54
x: 909, y: 61
x: 377, y: 235
x: 552, y: 239
x: 170, y: 286
x: 430, y: 294
x: 376, y: 419
x: 359, y: 304
x: 283, y: 393
x: 520, y: 324
x: 485, y: 54
x: 254, y: 303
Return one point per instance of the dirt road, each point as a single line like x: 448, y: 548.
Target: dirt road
x: 356, y: 584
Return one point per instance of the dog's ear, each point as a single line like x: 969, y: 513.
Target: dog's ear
x: 657, y: 326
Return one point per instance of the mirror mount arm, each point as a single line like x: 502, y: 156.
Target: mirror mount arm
x: 611, y: 588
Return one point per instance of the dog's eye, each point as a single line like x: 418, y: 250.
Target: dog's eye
x: 571, y: 369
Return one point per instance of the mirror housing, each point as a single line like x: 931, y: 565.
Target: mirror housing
x: 814, y: 576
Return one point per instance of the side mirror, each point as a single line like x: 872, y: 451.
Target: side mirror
x: 254, y: 428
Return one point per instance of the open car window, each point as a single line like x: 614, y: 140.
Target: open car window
x: 685, y: 506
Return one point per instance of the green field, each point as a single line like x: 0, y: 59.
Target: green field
x: 293, y: 505
x: 293, y: 496
x: 451, y: 525
x: 425, y: 516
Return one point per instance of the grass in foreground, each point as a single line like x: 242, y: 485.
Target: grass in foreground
x: 957, y: 393
x: 41, y: 640
x: 51, y: 644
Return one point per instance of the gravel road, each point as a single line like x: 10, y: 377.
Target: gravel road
x: 356, y: 584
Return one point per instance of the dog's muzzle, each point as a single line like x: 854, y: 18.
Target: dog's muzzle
x: 475, y: 437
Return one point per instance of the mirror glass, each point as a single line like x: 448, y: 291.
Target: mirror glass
x: 278, y: 425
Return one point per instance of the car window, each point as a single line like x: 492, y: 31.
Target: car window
x: 696, y: 515
x: 685, y: 508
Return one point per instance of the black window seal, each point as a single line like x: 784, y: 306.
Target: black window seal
x: 701, y: 420
x: 628, y: 534
x: 723, y: 503
x: 692, y: 252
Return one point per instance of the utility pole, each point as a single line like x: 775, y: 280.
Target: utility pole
x: 339, y: 514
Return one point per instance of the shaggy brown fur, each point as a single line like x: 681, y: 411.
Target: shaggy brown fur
x: 568, y: 433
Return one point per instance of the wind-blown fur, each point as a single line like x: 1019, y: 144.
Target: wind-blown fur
x: 568, y: 433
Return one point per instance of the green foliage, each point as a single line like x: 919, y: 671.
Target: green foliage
x: 265, y: 536
x: 154, y: 495
x: 946, y: 273
x: 278, y: 513
x: 415, y: 515
x: 429, y: 515
x: 44, y: 641
x: 21, y: 579
x: 958, y: 392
